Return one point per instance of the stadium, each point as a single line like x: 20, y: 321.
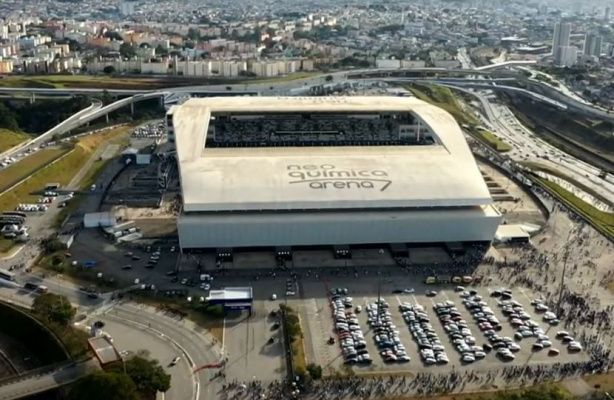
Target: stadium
x: 318, y: 172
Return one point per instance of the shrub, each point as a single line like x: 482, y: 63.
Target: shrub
x: 315, y: 371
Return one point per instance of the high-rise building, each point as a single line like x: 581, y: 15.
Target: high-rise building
x: 566, y: 56
x: 562, y: 30
x: 592, y: 45
x: 126, y: 8
x: 543, y: 9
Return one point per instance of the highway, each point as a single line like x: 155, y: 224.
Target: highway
x: 528, y: 147
x: 93, y: 112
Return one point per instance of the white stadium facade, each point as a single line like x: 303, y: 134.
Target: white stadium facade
x: 265, y: 172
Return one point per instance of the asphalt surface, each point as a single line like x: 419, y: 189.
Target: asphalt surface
x: 527, y: 147
x: 130, y: 337
x: 183, y: 333
x: 41, y: 383
x: 68, y: 124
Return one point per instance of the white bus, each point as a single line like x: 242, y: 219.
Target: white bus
x: 7, y: 275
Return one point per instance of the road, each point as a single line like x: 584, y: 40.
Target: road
x: 129, y: 338
x: 41, y: 383
x: 528, y: 147
x: 62, y: 127
x: 183, y: 333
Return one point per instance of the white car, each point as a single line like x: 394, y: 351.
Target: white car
x: 175, y: 360
x: 290, y: 293
x: 273, y: 297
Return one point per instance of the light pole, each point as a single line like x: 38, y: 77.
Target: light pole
x: 565, y: 257
x: 379, y: 286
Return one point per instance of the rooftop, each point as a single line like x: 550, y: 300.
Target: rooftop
x: 336, y: 177
x: 104, y: 349
x: 231, y: 294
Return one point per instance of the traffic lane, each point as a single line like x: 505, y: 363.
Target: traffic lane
x: 198, y: 347
x: 130, y: 338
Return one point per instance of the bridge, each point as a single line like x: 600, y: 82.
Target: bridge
x: 44, y: 379
x: 93, y: 112
x: 489, y: 85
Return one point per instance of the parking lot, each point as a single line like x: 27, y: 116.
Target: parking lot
x: 319, y: 327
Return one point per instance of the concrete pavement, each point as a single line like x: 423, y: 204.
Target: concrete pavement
x: 527, y: 147
x: 129, y: 338
x: 39, y: 383
x: 192, y: 339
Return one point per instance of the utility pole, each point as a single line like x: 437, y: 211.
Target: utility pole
x: 379, y: 286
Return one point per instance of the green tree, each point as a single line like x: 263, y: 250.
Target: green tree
x: 315, y: 371
x: 101, y: 385
x: 127, y: 50
x: 329, y: 78
x: 193, y: 34
x: 8, y: 119
x: 109, y: 69
x: 53, y: 307
x: 106, y: 98
x: 148, y: 376
x: 161, y: 51
x: 53, y: 244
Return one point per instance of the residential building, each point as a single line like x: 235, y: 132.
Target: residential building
x: 562, y: 30
x: 567, y: 56
x: 592, y: 45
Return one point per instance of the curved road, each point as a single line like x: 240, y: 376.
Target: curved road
x: 130, y: 338
x: 188, y: 336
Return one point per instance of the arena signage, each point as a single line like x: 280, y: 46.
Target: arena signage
x: 329, y: 177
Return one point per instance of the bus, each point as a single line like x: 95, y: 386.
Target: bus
x: 14, y: 214
x: 7, y: 275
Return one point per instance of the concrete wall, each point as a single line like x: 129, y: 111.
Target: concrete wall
x: 326, y: 228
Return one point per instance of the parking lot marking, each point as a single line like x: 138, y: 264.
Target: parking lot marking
x: 415, y: 300
x: 521, y: 290
x: 445, y: 294
x: 398, y: 300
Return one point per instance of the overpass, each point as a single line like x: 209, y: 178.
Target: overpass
x: 505, y: 64
x: 44, y: 379
x: 93, y: 112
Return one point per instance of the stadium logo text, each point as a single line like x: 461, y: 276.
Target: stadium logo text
x: 327, y: 176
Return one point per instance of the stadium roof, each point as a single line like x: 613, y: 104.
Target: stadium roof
x: 284, y: 178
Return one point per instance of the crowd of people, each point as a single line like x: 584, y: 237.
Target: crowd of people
x: 423, y: 383
x: 292, y: 130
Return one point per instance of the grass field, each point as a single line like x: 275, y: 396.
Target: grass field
x: 10, y: 139
x: 602, y: 220
x: 535, y: 166
x: 285, y: 78
x: 61, y: 172
x: 92, y: 173
x: 25, y: 167
x: 602, y: 382
x: 443, y: 97
x: 548, y: 391
x: 127, y: 82
x: 83, y: 81
x: 5, y: 245
x: 493, y: 141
